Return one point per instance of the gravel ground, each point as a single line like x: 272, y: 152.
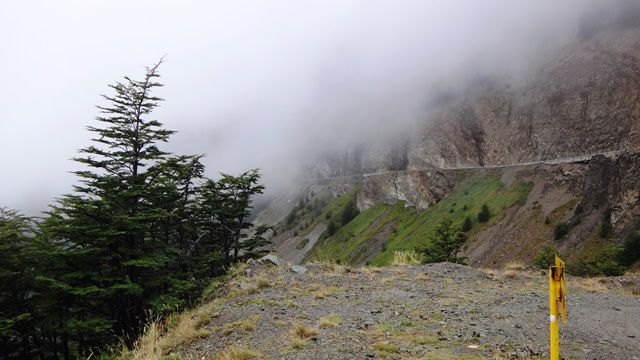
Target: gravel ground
x: 436, y: 311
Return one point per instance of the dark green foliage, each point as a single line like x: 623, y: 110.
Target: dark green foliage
x: 140, y: 235
x: 561, y: 229
x: 349, y: 212
x: 484, y: 214
x: 546, y: 257
x: 604, y: 262
x: 631, y: 252
x: 331, y: 228
x: 16, y: 280
x: 291, y: 218
x: 606, y: 228
x: 467, y: 224
x: 465, y: 207
x: 445, y: 244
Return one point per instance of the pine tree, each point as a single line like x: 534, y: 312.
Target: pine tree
x: 484, y: 214
x: 445, y: 243
x: 467, y: 224
x: 16, y: 277
x: 114, y: 230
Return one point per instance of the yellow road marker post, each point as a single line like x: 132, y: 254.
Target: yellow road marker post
x: 557, y: 294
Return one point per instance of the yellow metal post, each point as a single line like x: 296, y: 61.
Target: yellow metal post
x: 557, y: 296
x: 554, y: 346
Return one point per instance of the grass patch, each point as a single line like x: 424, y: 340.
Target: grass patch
x: 330, y: 321
x: 411, y: 230
x: 300, y: 334
x: 406, y: 257
x: 236, y: 353
x: 386, y: 347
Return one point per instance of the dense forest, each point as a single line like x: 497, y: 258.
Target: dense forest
x: 140, y: 236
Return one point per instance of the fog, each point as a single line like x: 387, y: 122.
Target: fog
x: 251, y: 84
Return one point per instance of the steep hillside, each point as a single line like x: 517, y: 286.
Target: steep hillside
x: 532, y: 208
x: 584, y: 100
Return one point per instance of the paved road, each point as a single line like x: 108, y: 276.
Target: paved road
x: 562, y: 160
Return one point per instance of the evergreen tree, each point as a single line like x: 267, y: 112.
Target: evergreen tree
x: 445, y: 243
x: 484, y: 214
x: 141, y: 234
x: 16, y: 277
x: 467, y: 224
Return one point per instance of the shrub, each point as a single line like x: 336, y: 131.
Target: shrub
x: 606, y: 228
x: 331, y: 228
x: 604, y: 262
x: 561, y: 230
x: 445, y: 244
x: 467, y: 224
x: 349, y: 212
x: 631, y: 252
x: 484, y: 214
x: 291, y: 218
x: 546, y: 257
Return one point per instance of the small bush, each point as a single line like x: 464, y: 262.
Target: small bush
x: 484, y: 214
x: 349, y: 212
x: 467, y: 224
x: 561, y: 229
x: 331, y: 228
x: 631, y: 252
x: 291, y: 218
x: 546, y: 257
x: 604, y: 262
x: 606, y: 228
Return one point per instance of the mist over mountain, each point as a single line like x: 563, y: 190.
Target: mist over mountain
x: 256, y: 85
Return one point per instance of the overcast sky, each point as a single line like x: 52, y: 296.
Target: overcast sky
x: 249, y: 83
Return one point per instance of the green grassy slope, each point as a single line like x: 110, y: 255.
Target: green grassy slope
x: 406, y: 229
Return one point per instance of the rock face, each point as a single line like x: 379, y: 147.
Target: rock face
x: 419, y: 189
x: 585, y: 100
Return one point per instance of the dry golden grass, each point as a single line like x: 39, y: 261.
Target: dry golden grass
x: 406, y: 257
x: 246, y: 325
x: 157, y: 340
x: 510, y: 274
x: 300, y: 334
x: 594, y: 284
x: 423, y: 277
x: 329, y: 321
x: 303, y: 332
x: 386, y: 347
x: 148, y: 346
x: 321, y: 291
x: 515, y: 266
x: 236, y: 353
x: 262, y: 282
x: 291, y: 303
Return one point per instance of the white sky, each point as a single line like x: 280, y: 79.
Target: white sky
x: 249, y: 83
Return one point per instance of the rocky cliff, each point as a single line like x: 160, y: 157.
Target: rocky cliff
x: 582, y: 101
